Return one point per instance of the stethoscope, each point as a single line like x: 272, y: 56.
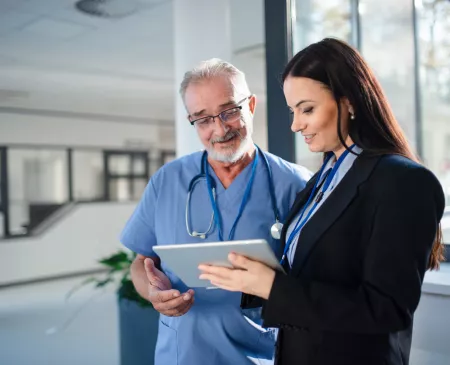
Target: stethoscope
x: 322, y: 184
x: 275, y: 229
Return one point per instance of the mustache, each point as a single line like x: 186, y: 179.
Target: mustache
x: 226, y: 137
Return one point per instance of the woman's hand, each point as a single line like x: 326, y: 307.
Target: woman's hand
x: 248, y: 276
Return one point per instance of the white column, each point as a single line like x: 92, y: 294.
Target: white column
x: 201, y: 31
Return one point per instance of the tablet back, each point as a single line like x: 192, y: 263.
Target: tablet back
x: 183, y: 259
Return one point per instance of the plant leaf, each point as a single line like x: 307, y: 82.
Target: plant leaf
x: 102, y: 283
x: 79, y: 286
x: 118, y: 261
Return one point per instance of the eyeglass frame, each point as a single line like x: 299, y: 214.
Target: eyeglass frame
x: 238, y: 106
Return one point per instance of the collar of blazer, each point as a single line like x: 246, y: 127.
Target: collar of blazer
x: 331, y: 209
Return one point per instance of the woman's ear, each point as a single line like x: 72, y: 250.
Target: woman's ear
x: 349, y: 106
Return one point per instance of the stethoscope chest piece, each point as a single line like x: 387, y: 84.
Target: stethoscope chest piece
x: 276, y: 229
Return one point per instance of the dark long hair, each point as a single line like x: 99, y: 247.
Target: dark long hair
x: 344, y: 72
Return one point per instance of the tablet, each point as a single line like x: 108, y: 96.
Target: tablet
x: 183, y: 259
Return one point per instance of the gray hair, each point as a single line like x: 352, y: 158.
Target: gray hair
x: 211, y: 68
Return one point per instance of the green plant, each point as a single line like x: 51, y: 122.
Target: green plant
x: 118, y: 273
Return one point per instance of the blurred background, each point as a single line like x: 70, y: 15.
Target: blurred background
x: 89, y: 110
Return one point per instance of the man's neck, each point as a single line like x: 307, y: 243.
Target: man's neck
x: 228, y: 171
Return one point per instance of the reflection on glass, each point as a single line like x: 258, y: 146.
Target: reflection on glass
x: 316, y: 19
x: 119, y: 164
x: 138, y: 165
x: 125, y: 189
x: 387, y: 42
x: 119, y: 190
x: 1, y: 179
x: 37, y: 181
x: 138, y: 188
x: 168, y: 156
x: 2, y: 225
x: 433, y: 29
x: 1, y: 152
x: 87, y: 175
x: 312, y: 21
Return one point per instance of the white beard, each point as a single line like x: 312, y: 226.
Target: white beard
x: 232, y: 156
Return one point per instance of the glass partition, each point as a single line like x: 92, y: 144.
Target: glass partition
x: 406, y: 43
x: 37, y: 181
x: 313, y: 20
x: 433, y: 41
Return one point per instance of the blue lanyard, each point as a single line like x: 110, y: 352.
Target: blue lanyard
x: 328, y: 179
x: 243, y: 203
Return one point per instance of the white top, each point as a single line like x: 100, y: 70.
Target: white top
x: 340, y: 173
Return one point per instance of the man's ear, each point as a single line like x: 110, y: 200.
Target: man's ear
x: 252, y: 104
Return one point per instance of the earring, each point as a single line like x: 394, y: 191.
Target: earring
x: 352, y: 116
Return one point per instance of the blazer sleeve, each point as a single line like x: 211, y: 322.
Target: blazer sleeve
x: 403, y: 230
x: 249, y: 301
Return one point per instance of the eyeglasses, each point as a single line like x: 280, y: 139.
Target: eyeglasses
x: 227, y: 116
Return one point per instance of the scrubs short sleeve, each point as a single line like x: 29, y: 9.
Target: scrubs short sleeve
x: 139, y: 232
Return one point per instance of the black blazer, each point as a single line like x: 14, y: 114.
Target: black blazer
x: 358, y: 268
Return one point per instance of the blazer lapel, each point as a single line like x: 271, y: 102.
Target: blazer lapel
x: 332, y: 208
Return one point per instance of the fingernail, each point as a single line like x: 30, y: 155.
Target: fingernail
x: 176, y: 295
x: 187, y: 297
x: 232, y: 256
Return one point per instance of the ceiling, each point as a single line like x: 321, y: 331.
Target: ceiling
x: 54, y: 57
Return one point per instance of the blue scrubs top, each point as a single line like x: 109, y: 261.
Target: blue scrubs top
x: 214, y: 331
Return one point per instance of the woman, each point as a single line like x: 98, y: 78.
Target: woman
x: 359, y: 237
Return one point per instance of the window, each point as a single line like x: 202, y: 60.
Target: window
x: 433, y: 29
x: 312, y: 21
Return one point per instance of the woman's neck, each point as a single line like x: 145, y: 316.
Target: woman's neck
x: 341, y: 149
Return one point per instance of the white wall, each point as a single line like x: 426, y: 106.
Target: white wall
x: 74, y: 244
x: 432, y: 325
x: 36, y: 129
x: 432, y: 320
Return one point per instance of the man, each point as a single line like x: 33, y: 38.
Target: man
x: 208, y: 326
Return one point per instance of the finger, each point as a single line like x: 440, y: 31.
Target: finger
x: 240, y: 261
x: 174, y: 304
x: 150, y: 268
x: 216, y: 279
x: 179, y: 311
x: 216, y: 270
x: 225, y: 286
x: 191, y: 292
x: 162, y: 296
x: 182, y: 309
x: 152, y: 275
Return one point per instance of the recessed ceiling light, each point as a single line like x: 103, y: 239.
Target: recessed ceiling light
x: 107, y: 8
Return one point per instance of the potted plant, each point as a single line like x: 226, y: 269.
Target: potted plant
x: 138, y: 320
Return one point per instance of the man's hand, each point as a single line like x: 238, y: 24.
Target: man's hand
x: 166, y: 300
